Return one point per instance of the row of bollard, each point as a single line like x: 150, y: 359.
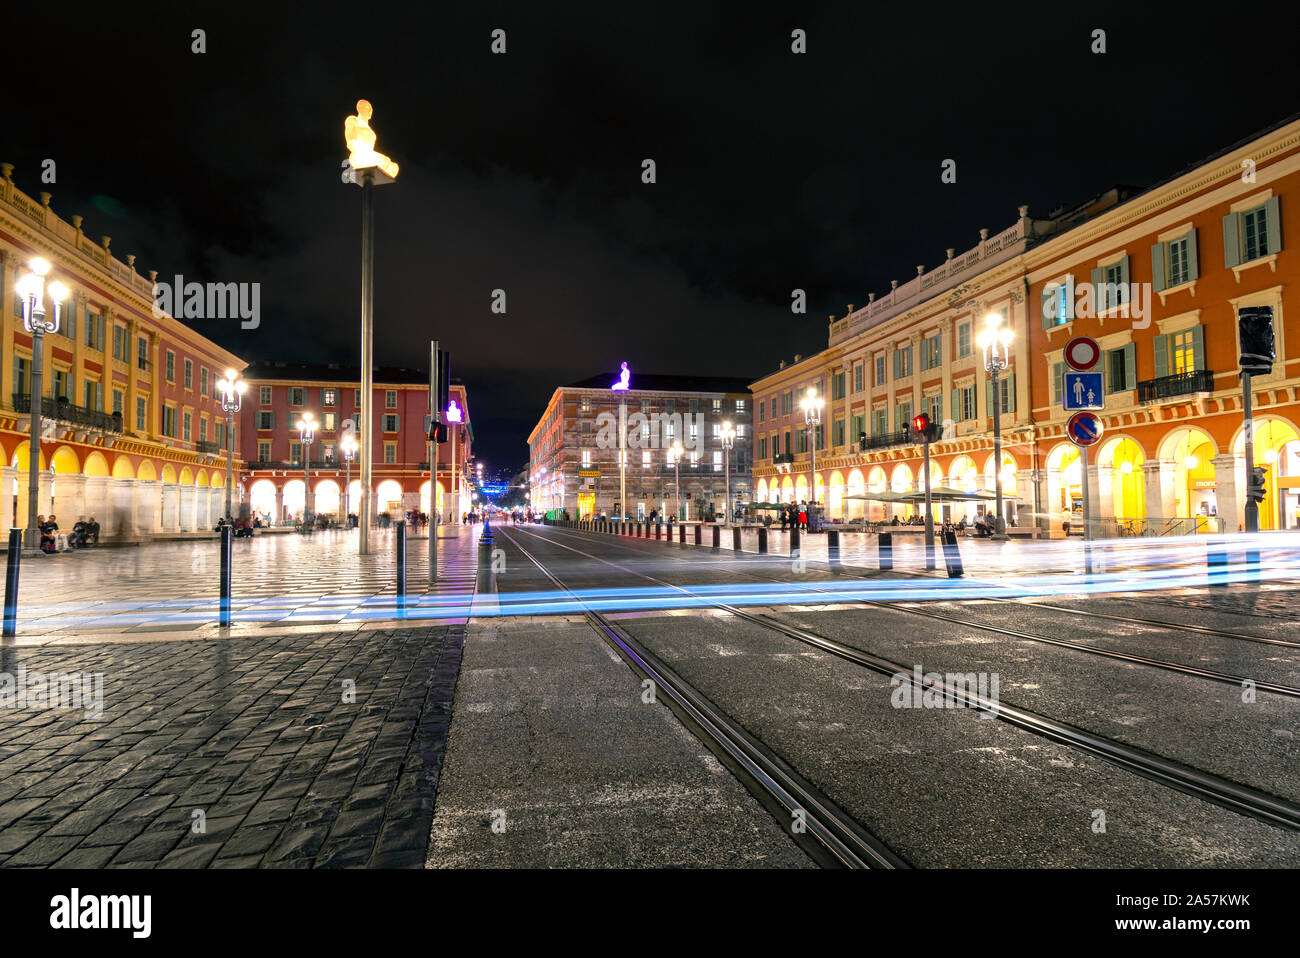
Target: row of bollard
x: 885, y: 559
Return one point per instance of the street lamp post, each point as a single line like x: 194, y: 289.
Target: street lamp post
x: 675, y: 454
x: 32, y: 289
x: 812, y: 417
x: 996, y: 343
x: 306, y: 433
x: 231, y: 388
x: 728, y: 441
x: 348, y: 447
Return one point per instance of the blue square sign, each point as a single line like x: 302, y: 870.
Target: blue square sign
x: 1082, y: 391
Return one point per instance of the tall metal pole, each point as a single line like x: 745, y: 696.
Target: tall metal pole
x: 367, y: 342
x: 1087, y: 520
x: 812, y: 463
x: 1000, y: 523
x: 455, y: 499
x: 677, y: 471
x: 34, y: 444
x: 230, y: 459
x: 347, y: 489
x: 1252, y: 507
x: 622, y: 456
x: 929, y: 509
x: 726, y: 514
x: 434, y: 415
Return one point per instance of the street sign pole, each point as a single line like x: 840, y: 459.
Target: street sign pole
x: 929, y: 508
x: 1252, y: 507
x: 1087, y: 518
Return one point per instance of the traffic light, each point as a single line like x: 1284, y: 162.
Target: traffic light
x: 923, y: 429
x: 1255, y: 324
x: 440, y: 432
x: 1255, y: 490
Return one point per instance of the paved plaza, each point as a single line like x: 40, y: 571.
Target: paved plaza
x: 280, y: 581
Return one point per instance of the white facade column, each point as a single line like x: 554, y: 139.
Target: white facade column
x: 186, y: 509
x: 45, y: 497
x: 120, y: 517
x: 69, y: 500
x: 146, y: 506
x: 97, y: 499
x: 1025, y: 479
x: 170, y: 519
x: 1158, y: 476
x: 1226, y: 470
x: 1106, y: 492
x: 1094, y: 501
x: 203, y: 520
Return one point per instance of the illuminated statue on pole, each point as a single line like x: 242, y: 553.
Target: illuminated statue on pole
x: 360, y: 139
x: 453, y: 412
x: 623, y: 378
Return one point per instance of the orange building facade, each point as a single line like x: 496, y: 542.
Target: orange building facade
x: 132, y: 431
x: 1157, y: 278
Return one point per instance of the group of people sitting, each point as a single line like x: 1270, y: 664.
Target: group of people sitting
x: 83, y: 533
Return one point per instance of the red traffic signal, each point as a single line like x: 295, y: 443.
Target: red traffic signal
x: 921, y: 424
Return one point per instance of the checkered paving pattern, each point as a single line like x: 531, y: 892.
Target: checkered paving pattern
x: 281, y: 580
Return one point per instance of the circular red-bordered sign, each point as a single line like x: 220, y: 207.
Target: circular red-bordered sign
x: 1084, y: 428
x: 1082, y: 353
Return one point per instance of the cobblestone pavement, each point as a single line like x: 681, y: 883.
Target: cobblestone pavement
x: 235, y: 753
x: 282, y: 581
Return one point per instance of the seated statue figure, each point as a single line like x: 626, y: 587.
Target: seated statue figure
x: 360, y: 139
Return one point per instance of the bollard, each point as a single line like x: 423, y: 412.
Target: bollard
x: 681, y: 533
x: 952, y: 555
x: 223, y: 613
x: 401, y: 565
x: 659, y: 530
x: 794, y: 543
x: 735, y: 538
x: 886, y: 548
x: 717, y: 538
x: 1252, y: 565
x: 762, y: 542
x: 699, y: 530
x: 1216, y: 562
x: 833, y: 546
x: 11, y: 581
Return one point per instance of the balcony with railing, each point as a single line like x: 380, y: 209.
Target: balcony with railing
x: 1176, y: 386
x: 207, y: 448
x: 900, y: 438
x: 62, y: 410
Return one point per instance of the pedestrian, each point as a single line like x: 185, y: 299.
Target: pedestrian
x: 803, y: 515
x: 785, y: 517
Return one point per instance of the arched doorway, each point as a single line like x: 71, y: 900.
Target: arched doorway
x: 261, y: 499
x: 835, y: 497
x: 328, y: 499
x: 1194, y: 488
x: 1277, y: 452
x: 855, y: 508
x: 388, y: 498
x: 1123, y: 457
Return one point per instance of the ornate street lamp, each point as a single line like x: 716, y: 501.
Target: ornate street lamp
x: 675, y: 457
x: 231, y: 388
x: 348, y: 449
x: 996, y: 343
x: 728, y: 441
x: 811, y: 404
x: 306, y: 434
x: 32, y: 289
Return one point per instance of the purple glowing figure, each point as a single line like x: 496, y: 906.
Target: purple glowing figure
x: 623, y: 378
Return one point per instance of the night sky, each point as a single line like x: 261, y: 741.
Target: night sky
x: 523, y: 171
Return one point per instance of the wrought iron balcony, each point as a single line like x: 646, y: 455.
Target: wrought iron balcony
x: 902, y: 437
x: 1181, y: 384
x: 207, y: 447
x: 781, y: 457
x: 64, y: 411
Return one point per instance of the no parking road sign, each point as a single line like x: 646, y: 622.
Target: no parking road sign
x: 1084, y: 429
x: 1082, y: 353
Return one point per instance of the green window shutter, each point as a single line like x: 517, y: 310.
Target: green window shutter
x: 1048, y: 304
x: 897, y: 356
x: 1058, y: 381
x: 1192, y: 269
x: 1011, y: 393
x: 1130, y: 366
x: 1158, y: 281
x: 1231, y: 241
x: 1106, y: 378
x: 1124, y: 276
x: 1099, y: 301
x: 938, y: 351
x: 954, y: 410
x: 988, y: 398
x: 1198, y: 344
x: 1272, y: 212
x: 71, y: 331
x: 1161, y: 345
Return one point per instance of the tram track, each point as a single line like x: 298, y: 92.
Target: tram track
x: 1180, y: 668
x: 1226, y: 793
x: 840, y: 840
